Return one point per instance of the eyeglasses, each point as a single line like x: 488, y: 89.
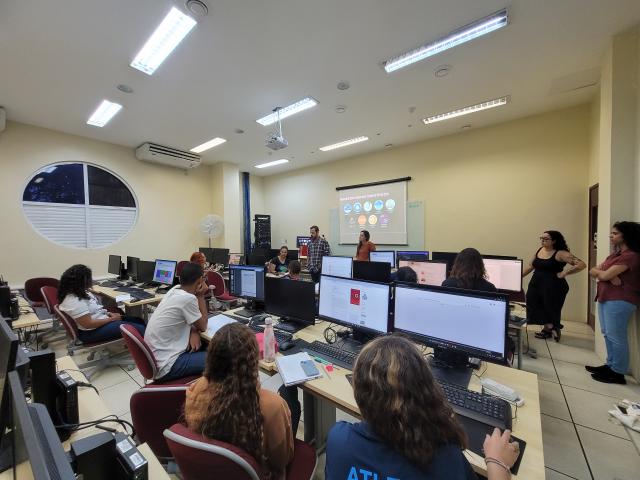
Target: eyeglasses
x: 544, y: 239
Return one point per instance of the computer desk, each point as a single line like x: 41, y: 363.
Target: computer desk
x: 113, y: 294
x: 322, y: 396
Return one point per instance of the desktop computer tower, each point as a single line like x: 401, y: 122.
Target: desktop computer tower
x: 5, y: 301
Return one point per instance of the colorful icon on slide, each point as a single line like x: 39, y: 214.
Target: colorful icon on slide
x: 390, y: 204
x: 378, y: 204
x: 357, y: 207
x: 347, y: 208
x: 384, y: 220
x: 373, y: 219
x: 367, y: 206
x: 362, y: 219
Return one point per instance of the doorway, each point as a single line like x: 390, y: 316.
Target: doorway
x: 593, y: 254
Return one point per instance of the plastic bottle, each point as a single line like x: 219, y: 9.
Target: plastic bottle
x: 269, y: 341
x: 212, y: 300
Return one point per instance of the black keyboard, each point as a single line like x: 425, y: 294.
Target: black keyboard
x: 331, y: 353
x: 137, y: 293
x: 280, y: 336
x: 245, y: 313
x: 484, y: 408
x: 110, y: 284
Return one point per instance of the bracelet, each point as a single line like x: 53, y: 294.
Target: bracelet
x: 497, y: 462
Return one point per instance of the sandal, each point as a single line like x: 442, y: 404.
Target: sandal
x: 556, y: 333
x: 544, y: 334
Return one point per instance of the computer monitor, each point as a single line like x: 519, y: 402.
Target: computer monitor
x: 132, y: 267
x: 500, y: 257
x: 448, y: 257
x: 164, y: 271
x: 115, y: 265
x: 146, y: 271
x: 8, y: 349
x: 388, y: 256
x: 247, y: 281
x: 414, y: 255
x: 37, y: 451
x: 337, y: 266
x: 256, y: 260
x: 357, y: 304
x: 506, y: 275
x: 208, y: 253
x: 473, y: 324
x: 374, y: 271
x: 236, y: 259
x: 292, y: 254
x: 221, y: 256
x: 294, y: 302
x: 429, y: 273
x: 302, y: 240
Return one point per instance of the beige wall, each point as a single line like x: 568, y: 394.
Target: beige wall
x: 495, y: 188
x: 171, y: 203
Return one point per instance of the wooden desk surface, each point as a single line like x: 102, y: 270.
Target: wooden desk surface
x: 113, y: 293
x: 26, y: 320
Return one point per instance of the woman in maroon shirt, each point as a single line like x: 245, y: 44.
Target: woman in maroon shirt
x: 618, y: 296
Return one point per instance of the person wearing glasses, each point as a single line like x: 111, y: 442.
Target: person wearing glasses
x: 548, y: 287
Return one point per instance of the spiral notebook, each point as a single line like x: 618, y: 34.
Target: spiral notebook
x: 291, y: 369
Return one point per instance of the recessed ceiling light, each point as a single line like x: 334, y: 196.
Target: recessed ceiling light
x: 175, y: 26
x: 497, y: 102
x: 442, y: 71
x: 344, y: 85
x: 346, y: 143
x: 239, y: 131
x: 272, y: 164
x: 125, y: 88
x: 387, y: 145
x: 341, y: 109
x: 461, y: 35
x: 465, y: 127
x: 197, y: 7
x: 105, y: 112
x: 287, y: 111
x: 214, y: 142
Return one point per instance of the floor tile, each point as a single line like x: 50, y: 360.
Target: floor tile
x: 610, y: 458
x: 536, y: 344
x: 591, y: 410
x: 552, y: 400
x: 553, y: 475
x: 562, y: 450
x: 541, y: 366
x: 117, y: 396
x: 567, y: 353
x: 575, y: 375
x: 137, y: 377
x: 108, y: 377
x: 577, y: 327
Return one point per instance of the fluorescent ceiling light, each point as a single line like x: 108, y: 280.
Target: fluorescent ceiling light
x: 272, y: 164
x: 104, y: 113
x: 346, y: 143
x: 497, y: 102
x: 175, y: 26
x: 461, y: 35
x: 214, y: 142
x: 285, y: 112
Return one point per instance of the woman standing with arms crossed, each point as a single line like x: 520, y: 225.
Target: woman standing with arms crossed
x: 618, y: 296
x: 365, y: 246
x: 548, y: 287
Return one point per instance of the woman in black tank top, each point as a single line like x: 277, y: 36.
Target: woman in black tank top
x: 548, y: 287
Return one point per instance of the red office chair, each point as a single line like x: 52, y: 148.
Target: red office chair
x: 32, y: 289
x: 50, y: 296
x: 180, y: 266
x: 202, y: 458
x: 144, y: 358
x: 220, y: 292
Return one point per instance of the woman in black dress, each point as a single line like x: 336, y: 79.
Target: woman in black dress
x: 548, y: 287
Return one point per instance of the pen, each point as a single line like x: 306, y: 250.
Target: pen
x: 321, y: 360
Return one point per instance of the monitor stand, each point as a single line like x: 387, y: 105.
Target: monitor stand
x: 450, y: 367
x: 250, y: 309
x: 354, y: 342
x: 291, y: 325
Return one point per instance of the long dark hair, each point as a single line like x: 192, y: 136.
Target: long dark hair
x: 468, y: 268
x: 400, y: 400
x: 234, y: 414
x: 630, y: 233
x: 559, y: 243
x: 367, y: 236
x: 75, y: 280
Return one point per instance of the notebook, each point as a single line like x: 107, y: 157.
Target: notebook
x: 216, y: 322
x: 291, y: 368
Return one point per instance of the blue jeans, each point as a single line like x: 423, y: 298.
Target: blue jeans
x: 187, y: 364
x: 614, y: 319
x: 111, y: 330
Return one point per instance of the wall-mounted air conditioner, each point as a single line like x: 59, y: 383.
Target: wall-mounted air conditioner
x: 172, y: 157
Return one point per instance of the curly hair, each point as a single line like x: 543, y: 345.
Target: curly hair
x: 468, y: 268
x: 234, y: 414
x: 559, y: 243
x: 75, y: 280
x: 630, y: 234
x: 402, y: 403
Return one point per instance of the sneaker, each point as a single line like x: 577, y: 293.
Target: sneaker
x: 602, y: 368
x: 611, y: 377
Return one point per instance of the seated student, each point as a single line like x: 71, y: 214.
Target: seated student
x: 294, y: 270
x: 227, y: 404
x: 468, y: 272
x: 95, y: 323
x: 280, y: 263
x: 406, y: 274
x: 200, y: 259
x: 173, y: 331
x: 408, y: 428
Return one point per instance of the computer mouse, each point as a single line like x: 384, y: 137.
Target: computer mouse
x: 286, y: 345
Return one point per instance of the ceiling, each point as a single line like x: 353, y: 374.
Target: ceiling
x: 59, y: 60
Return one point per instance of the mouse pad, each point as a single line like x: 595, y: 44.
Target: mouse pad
x: 476, y: 432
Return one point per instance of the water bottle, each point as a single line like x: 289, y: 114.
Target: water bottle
x: 212, y: 299
x: 269, y: 341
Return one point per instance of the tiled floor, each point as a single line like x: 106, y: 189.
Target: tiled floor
x: 580, y: 441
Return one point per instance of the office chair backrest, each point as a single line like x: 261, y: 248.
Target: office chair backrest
x: 140, y: 351
x: 216, y: 279
x: 32, y: 289
x: 50, y: 297
x: 68, y: 322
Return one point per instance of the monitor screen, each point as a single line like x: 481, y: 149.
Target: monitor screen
x: 114, y: 264
x: 247, y: 281
x: 164, y: 271
x: 300, y: 241
x: 504, y: 274
x: 468, y: 322
x: 290, y: 299
x: 208, y: 253
x: 416, y: 256
x: 8, y: 350
x: 292, y: 255
x: 374, y: 271
x: 355, y: 303
x: 388, y: 256
x: 132, y: 266
x: 429, y: 273
x: 257, y: 260
x: 146, y: 271
x: 220, y: 256
x: 236, y: 259
x: 337, y: 266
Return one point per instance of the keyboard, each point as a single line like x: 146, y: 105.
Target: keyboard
x: 245, y: 313
x: 478, y: 406
x: 137, y: 293
x: 331, y: 353
x: 280, y: 336
x: 110, y: 284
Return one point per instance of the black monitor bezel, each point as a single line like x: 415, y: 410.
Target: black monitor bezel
x: 453, y: 346
x: 9, y: 342
x: 220, y: 254
x: 368, y: 264
x: 296, y: 287
x: 420, y: 252
x: 153, y: 269
x: 175, y: 268
x: 338, y: 256
x: 495, y: 257
x: 360, y: 328
x: 208, y: 253
x: 246, y: 267
x: 393, y: 264
x: 119, y: 264
x: 132, y: 272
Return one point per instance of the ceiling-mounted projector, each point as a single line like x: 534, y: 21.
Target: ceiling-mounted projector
x: 275, y: 140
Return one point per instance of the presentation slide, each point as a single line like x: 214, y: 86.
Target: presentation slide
x: 380, y: 209
x: 429, y: 273
x: 504, y: 274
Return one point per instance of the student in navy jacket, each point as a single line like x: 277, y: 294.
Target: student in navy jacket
x: 409, y: 430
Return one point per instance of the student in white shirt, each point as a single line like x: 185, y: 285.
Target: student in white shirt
x: 173, y: 331
x: 95, y: 323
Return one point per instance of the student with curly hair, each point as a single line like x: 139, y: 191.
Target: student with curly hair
x: 408, y: 428
x: 95, y: 323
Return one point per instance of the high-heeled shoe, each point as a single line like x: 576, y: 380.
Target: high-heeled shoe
x: 544, y: 334
x: 556, y: 333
